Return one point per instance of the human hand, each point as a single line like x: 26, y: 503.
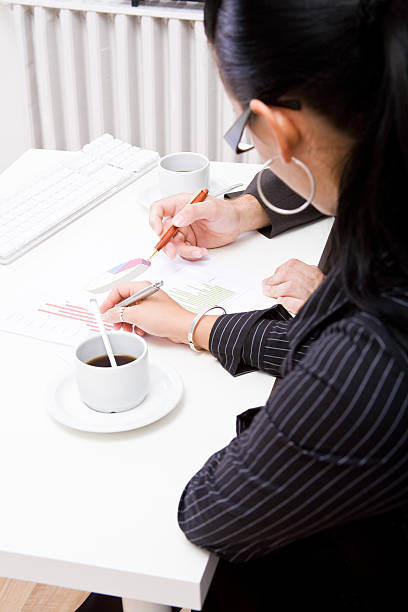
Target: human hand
x: 209, y: 224
x: 292, y: 284
x: 158, y: 315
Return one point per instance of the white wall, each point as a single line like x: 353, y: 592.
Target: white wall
x: 14, y: 134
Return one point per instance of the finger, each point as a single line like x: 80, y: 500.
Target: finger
x: 126, y: 316
x: 113, y: 315
x: 289, y: 289
x: 120, y: 292
x: 127, y: 327
x: 268, y: 290
x: 286, y: 271
x: 194, y: 212
x: 267, y: 286
x: 170, y: 250
x: 138, y: 331
x: 292, y: 305
x: 281, y: 290
x: 185, y: 249
x: 167, y: 223
x: 167, y: 207
x: 190, y: 252
x: 180, y: 238
x: 175, y: 246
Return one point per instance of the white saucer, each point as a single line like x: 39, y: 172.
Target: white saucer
x: 66, y: 406
x: 152, y: 193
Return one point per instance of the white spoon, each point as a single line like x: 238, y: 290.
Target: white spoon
x: 104, y: 335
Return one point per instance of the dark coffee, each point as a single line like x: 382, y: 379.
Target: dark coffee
x: 183, y: 171
x: 103, y: 360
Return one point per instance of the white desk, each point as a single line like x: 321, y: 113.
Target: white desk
x: 98, y: 512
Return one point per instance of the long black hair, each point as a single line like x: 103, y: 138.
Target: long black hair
x: 348, y: 60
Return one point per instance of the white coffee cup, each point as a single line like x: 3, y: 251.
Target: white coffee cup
x: 183, y: 171
x: 113, y: 389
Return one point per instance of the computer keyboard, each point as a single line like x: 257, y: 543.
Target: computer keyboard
x: 44, y: 205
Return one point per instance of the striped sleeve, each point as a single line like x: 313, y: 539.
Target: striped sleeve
x: 249, y: 341
x: 329, y: 447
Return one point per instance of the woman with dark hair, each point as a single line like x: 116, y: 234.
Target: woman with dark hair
x: 306, y: 506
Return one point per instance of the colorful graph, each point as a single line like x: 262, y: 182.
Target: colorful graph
x: 75, y: 313
x: 200, y: 296
x: 128, y: 265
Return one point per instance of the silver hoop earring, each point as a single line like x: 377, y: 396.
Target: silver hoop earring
x: 284, y: 211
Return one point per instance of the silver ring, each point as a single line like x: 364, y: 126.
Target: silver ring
x: 121, y: 311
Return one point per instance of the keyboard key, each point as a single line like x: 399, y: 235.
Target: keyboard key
x: 44, y: 205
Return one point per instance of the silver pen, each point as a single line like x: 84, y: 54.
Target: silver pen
x: 141, y: 295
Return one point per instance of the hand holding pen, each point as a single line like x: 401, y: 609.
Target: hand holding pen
x: 169, y: 234
x: 156, y: 313
x: 203, y: 225
x: 144, y: 292
x: 140, y: 295
x: 200, y: 196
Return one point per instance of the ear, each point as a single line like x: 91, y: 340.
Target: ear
x: 282, y: 124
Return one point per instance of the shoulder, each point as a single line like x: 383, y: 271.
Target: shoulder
x: 346, y: 397
x: 355, y: 349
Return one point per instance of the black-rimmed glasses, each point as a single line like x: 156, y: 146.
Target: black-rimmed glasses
x: 234, y: 135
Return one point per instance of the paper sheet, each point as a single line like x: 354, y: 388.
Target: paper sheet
x: 59, y: 320
x: 201, y: 284
x: 195, y: 285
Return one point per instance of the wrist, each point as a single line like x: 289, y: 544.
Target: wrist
x: 202, y: 331
x: 184, y: 327
x: 251, y: 214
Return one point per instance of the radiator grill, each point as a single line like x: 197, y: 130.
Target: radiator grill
x: 149, y: 80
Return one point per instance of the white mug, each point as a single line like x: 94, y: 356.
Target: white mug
x: 108, y: 389
x: 185, y: 171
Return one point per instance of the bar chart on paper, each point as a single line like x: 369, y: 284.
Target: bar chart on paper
x: 82, y: 316
x: 200, y: 295
x: 59, y: 320
x: 197, y: 286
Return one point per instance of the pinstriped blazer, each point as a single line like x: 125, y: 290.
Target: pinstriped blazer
x: 331, y: 444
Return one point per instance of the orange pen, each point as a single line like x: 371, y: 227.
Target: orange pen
x: 199, y: 197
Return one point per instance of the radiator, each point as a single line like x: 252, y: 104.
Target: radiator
x: 146, y: 76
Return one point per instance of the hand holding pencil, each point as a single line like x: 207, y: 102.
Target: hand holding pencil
x: 207, y: 224
x: 167, y: 236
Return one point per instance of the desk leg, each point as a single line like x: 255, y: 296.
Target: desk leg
x: 132, y: 605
